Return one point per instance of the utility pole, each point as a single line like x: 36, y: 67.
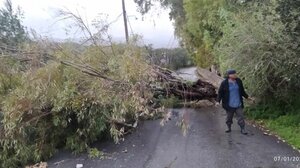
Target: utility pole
x: 125, y: 21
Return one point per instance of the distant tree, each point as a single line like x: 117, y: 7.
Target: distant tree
x: 177, y: 12
x: 12, y: 32
x: 173, y: 58
x: 144, y: 5
x: 197, y: 25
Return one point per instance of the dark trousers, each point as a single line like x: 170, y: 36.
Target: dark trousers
x: 239, y: 116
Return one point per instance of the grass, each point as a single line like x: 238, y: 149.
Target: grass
x: 283, y: 122
x: 287, y: 128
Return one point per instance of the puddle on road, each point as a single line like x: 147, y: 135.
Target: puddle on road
x: 181, y: 117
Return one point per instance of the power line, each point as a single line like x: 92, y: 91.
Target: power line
x: 173, y: 42
x: 117, y: 18
x: 130, y: 26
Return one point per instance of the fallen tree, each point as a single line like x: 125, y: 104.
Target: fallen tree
x: 167, y: 83
x: 172, y: 84
x: 212, y: 77
x: 71, y: 104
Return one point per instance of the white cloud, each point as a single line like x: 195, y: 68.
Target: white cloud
x: 40, y: 15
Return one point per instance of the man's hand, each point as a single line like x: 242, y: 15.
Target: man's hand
x: 251, y: 99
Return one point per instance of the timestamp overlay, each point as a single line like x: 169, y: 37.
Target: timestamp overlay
x: 294, y: 159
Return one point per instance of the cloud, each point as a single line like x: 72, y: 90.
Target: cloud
x: 40, y: 15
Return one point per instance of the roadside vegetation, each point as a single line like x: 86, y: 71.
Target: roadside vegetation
x: 281, y: 120
x: 66, y: 95
x: 56, y: 95
x: 258, y: 38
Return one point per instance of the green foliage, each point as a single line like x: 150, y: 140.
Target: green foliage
x: 265, y: 111
x: 95, y: 153
x: 289, y: 15
x: 197, y: 24
x: 286, y: 130
x: 286, y: 126
x: 202, y: 28
x: 9, y: 76
x: 170, y: 102
x: 280, y: 118
x: 58, y: 106
x: 259, y: 46
x: 12, y: 32
x: 262, y: 52
x: 177, y: 14
x: 255, y: 37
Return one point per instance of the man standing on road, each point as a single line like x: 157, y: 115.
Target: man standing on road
x: 231, y: 93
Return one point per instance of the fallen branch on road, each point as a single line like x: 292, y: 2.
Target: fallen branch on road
x: 174, y: 85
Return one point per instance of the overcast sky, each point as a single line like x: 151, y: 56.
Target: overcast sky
x: 41, y: 15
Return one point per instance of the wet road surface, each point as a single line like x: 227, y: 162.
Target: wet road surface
x: 188, y: 73
x: 206, y: 145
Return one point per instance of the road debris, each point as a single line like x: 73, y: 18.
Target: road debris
x: 79, y: 165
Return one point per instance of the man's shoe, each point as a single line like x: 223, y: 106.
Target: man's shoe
x: 243, y: 131
x: 229, y: 129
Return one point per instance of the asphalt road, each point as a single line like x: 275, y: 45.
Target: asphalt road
x: 206, y: 145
